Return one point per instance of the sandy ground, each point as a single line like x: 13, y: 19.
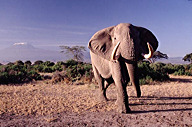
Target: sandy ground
x: 41, y: 104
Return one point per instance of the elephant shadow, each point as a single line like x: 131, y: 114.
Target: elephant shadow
x: 181, y: 80
x: 173, y: 102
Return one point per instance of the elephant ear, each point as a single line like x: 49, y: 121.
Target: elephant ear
x: 147, y: 36
x: 101, y: 43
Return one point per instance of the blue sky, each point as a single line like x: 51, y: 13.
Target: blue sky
x: 50, y: 23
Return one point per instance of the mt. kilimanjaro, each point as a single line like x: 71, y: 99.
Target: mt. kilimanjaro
x: 24, y: 51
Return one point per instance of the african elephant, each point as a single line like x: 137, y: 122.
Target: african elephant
x: 114, y: 54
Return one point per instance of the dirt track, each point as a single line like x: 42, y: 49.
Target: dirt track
x: 41, y: 104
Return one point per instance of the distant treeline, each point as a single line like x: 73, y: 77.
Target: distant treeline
x: 22, y: 72
x: 72, y: 71
x: 160, y: 71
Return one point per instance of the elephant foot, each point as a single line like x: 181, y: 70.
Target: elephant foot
x: 122, y: 108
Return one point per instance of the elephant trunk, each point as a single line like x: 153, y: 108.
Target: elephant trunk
x: 132, y: 70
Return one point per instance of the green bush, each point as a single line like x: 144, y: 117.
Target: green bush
x: 19, y: 62
x: 27, y: 63
x: 17, y: 73
x: 48, y: 66
x: 47, y: 69
x: 148, y: 74
x: 38, y: 62
x: 179, y: 72
x: 48, y: 63
x: 158, y: 67
x: 172, y: 69
x: 38, y: 68
x: 59, y: 66
x: 76, y: 70
x: 34, y: 75
x: 87, y: 67
x: 169, y: 68
x: 10, y: 63
x: 71, y: 63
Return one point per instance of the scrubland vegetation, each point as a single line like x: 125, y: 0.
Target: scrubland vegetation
x: 22, y: 72
x: 27, y: 103
x: 72, y: 71
x: 160, y: 71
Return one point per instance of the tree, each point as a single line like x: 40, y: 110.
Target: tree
x: 38, y: 62
x: 48, y: 63
x: 28, y: 63
x: 158, y: 55
x: 19, y: 62
x: 76, y: 51
x: 188, y: 57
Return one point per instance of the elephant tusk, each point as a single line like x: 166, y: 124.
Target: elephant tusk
x: 113, y: 56
x: 151, y: 51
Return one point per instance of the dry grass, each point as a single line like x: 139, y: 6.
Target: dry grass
x: 41, y: 99
x: 170, y: 99
x: 44, y: 99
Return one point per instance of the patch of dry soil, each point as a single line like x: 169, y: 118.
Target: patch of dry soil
x: 41, y: 104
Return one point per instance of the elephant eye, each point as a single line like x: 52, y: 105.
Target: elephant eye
x: 115, y: 38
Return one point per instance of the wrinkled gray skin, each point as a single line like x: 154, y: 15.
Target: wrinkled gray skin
x: 133, y: 43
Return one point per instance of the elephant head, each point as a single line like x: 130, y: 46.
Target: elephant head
x: 124, y: 42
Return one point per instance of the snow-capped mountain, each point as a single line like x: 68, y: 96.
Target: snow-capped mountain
x: 23, y: 51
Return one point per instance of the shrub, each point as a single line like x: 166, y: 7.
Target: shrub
x: 179, y: 67
x: 38, y: 68
x: 76, y: 70
x: 147, y: 74
x: 173, y: 69
x: 158, y: 67
x: 4, y: 77
x: 48, y: 63
x: 48, y: 66
x: 87, y: 67
x: 169, y: 68
x: 179, y: 72
x: 34, y: 75
x: 17, y: 74
x: 10, y: 63
x: 59, y: 66
x: 38, y: 62
x: 72, y: 73
x: 57, y: 77
x: 47, y: 69
x: 19, y: 62
x: 28, y: 63
x: 71, y: 63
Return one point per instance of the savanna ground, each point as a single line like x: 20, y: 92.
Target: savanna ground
x: 44, y: 104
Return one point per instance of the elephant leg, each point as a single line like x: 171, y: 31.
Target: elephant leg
x: 100, y: 81
x: 133, y: 69
x: 122, y: 97
x: 108, y: 82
